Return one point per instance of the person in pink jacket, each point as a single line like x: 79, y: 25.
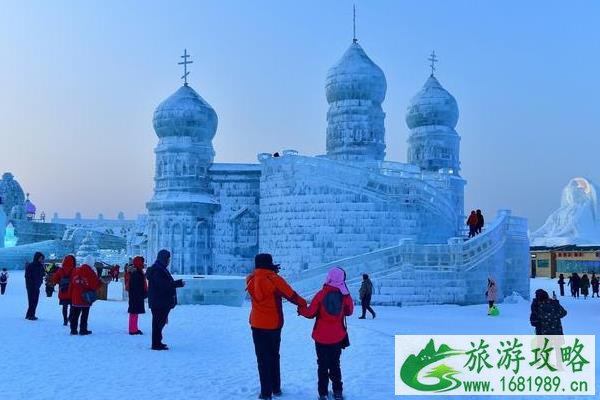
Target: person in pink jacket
x: 491, y: 293
x: 330, y: 307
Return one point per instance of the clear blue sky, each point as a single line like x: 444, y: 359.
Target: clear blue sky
x: 79, y: 81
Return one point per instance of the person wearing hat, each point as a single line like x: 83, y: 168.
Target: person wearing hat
x: 162, y: 296
x: 84, y: 284
x: 266, y: 289
x: 330, y: 307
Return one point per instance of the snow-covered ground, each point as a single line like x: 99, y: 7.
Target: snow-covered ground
x: 211, y: 354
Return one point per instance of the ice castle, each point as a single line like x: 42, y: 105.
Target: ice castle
x: 400, y: 222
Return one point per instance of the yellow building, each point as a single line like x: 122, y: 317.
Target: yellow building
x: 549, y: 262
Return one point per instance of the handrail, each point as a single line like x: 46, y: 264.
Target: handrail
x: 375, y: 183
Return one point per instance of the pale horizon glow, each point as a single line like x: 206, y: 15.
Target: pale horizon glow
x: 80, y: 81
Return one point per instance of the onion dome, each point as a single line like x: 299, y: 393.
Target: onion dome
x: 185, y: 113
x: 355, y: 76
x: 11, y: 193
x: 433, y: 105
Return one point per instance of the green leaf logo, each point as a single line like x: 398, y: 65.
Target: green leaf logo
x: 414, y: 364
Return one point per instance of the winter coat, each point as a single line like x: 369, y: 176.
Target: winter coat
x: 472, y: 220
x: 64, y: 272
x: 162, y: 288
x: 34, y: 275
x: 83, y: 279
x: 595, y: 284
x: 492, y: 292
x: 266, y: 289
x: 366, y: 289
x: 561, y: 281
x: 4, y: 277
x: 138, y: 291
x: 585, y: 286
x: 330, y: 308
x: 545, y: 317
x: 480, y: 220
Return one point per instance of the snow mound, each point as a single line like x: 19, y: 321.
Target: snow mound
x: 514, y: 298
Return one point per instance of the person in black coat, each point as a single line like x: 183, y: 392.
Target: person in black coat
x: 546, y: 314
x: 138, y: 291
x: 561, y: 284
x: 34, y: 277
x: 162, y: 296
x: 480, y: 222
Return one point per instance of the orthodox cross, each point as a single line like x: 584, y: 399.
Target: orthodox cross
x: 433, y: 59
x: 354, y: 40
x: 185, y: 63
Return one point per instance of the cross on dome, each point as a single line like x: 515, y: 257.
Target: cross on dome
x: 433, y: 59
x: 185, y: 63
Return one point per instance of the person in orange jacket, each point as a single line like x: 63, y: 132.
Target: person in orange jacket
x: 266, y: 289
x: 472, y: 222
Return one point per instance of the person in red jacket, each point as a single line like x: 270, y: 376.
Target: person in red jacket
x: 62, y: 278
x: 266, y: 289
x: 84, y: 283
x: 330, y: 306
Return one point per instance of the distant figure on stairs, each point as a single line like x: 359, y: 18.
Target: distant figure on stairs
x: 365, y: 293
x: 480, y: 222
x: 472, y: 224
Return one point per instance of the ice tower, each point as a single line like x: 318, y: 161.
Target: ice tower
x: 432, y: 115
x: 179, y: 213
x: 355, y: 88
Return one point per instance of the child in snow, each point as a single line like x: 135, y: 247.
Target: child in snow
x: 3, y: 280
x: 330, y: 306
x: 491, y: 293
x: 561, y: 284
x: 62, y: 278
x: 595, y: 285
x: 137, y: 286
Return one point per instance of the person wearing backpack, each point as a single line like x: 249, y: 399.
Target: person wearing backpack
x: 3, y: 281
x: 137, y: 287
x: 34, y: 277
x: 84, y: 283
x: 330, y: 306
x: 62, y: 278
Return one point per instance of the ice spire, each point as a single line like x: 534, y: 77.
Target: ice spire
x: 433, y: 59
x: 354, y: 39
x: 185, y: 63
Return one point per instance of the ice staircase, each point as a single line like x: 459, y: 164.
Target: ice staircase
x: 456, y: 272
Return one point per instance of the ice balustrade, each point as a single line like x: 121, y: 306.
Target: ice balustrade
x: 458, y: 256
x: 411, y: 188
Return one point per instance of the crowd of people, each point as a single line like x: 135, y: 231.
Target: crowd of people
x: 475, y: 222
x: 78, y: 285
x: 579, y: 285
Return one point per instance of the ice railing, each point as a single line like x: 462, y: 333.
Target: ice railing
x: 345, y: 176
x: 457, y: 255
